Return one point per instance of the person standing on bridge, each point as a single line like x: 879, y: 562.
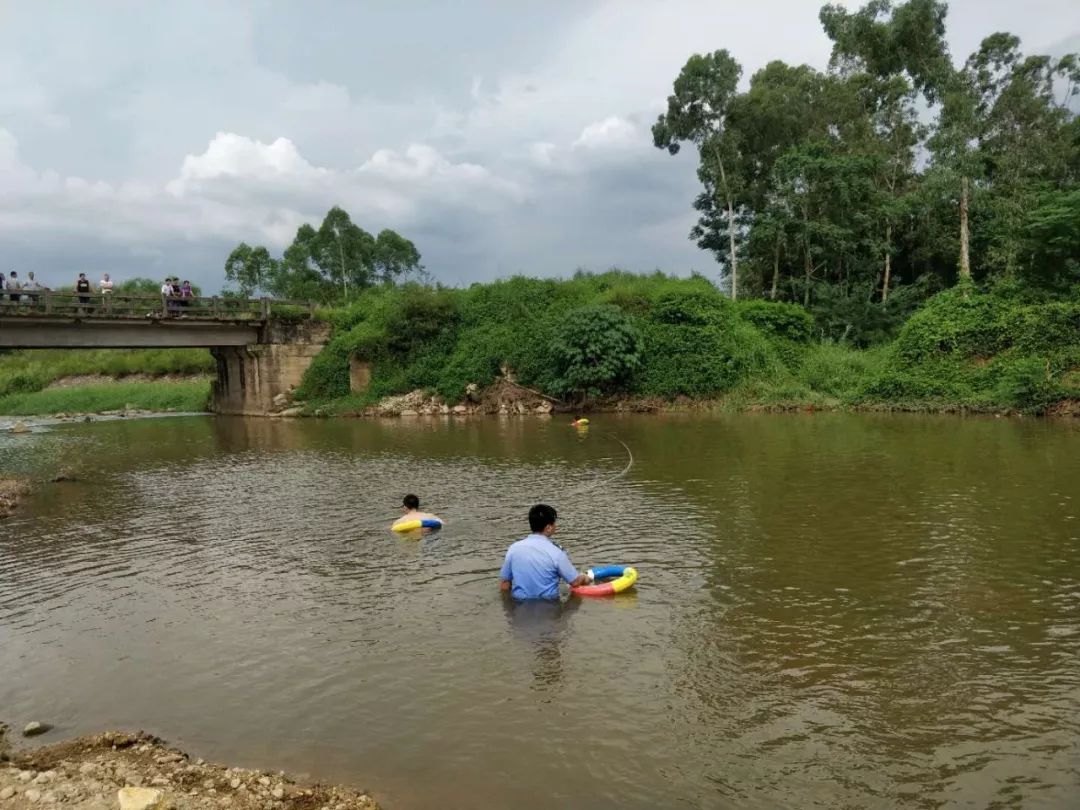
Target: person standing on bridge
x: 31, y: 288
x: 13, y: 287
x: 105, y: 285
x: 186, y: 292
x: 166, y: 296
x: 82, y: 285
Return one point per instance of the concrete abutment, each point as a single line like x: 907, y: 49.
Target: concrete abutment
x: 250, y: 376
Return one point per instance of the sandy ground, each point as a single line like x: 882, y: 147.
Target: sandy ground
x: 88, y: 773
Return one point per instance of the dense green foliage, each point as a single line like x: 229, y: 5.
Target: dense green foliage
x: 991, y: 349
x: 596, y: 350
x: 617, y: 334
x: 588, y: 336
x: 862, y: 190
x: 327, y: 265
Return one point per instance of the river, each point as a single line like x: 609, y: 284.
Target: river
x: 833, y: 610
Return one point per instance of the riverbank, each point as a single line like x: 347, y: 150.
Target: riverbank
x: 615, y: 340
x: 106, y: 397
x: 90, y: 773
x: 51, y: 381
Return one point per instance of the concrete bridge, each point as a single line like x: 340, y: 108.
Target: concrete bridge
x: 262, y: 346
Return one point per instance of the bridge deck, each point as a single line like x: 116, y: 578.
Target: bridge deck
x: 47, y: 319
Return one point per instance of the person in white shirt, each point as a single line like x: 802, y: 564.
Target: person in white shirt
x: 32, y: 287
x: 106, y: 284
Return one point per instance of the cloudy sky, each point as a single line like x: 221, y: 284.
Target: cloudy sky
x: 146, y: 138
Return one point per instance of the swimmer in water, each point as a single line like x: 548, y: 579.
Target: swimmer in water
x: 581, y: 421
x: 411, y: 505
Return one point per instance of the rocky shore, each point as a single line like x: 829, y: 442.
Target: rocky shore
x: 124, y: 771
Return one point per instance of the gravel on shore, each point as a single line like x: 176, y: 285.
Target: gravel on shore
x: 89, y: 773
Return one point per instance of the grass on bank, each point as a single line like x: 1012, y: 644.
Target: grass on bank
x: 34, y: 370
x: 186, y: 396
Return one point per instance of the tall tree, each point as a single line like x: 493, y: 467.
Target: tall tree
x: 908, y: 40
x: 325, y: 264
x: 250, y: 269
x: 697, y: 112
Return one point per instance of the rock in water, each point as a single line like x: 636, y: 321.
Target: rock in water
x: 34, y: 728
x: 20, y: 427
x: 139, y: 798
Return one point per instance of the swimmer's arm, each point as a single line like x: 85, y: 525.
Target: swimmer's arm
x: 506, y: 575
x: 570, y: 574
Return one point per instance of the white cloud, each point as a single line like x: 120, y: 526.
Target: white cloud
x: 612, y: 132
x: 235, y: 156
x: 242, y: 188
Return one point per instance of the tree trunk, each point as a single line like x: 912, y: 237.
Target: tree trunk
x: 965, y: 260
x: 807, y: 268
x: 775, y: 270
x: 731, y: 227
x: 888, y: 264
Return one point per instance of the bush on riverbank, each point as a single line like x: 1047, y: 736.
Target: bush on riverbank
x: 982, y: 350
x: 34, y: 370
x: 657, y: 336
x: 660, y: 336
x: 184, y: 396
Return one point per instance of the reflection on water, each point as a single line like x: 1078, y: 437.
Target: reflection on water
x: 833, y: 610
x: 541, y: 627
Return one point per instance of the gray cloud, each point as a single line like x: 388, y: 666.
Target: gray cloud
x: 150, y: 138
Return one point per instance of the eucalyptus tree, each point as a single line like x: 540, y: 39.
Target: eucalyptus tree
x: 325, y: 264
x: 698, y: 112
x: 250, y: 269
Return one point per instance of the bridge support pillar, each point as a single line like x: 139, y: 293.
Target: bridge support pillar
x: 249, y: 377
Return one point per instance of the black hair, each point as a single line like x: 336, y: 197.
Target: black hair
x: 541, y: 516
x: 410, y: 502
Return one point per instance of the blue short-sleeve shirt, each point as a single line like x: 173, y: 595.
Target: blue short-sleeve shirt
x: 534, y: 567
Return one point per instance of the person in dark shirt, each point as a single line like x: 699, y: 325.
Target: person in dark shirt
x: 82, y: 285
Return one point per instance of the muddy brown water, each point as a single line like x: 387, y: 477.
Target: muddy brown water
x: 833, y: 611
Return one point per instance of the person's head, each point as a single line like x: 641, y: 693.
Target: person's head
x: 187, y: 283
x: 105, y: 276
x: 542, y: 519
x: 410, y: 502
x: 82, y: 275
x: 30, y: 275
x: 13, y: 274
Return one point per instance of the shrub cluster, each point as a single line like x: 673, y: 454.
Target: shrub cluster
x: 580, y: 338
x: 614, y: 333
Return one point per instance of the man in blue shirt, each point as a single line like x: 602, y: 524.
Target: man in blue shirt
x: 534, y: 566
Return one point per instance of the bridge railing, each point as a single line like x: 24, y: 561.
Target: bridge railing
x: 117, y: 305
